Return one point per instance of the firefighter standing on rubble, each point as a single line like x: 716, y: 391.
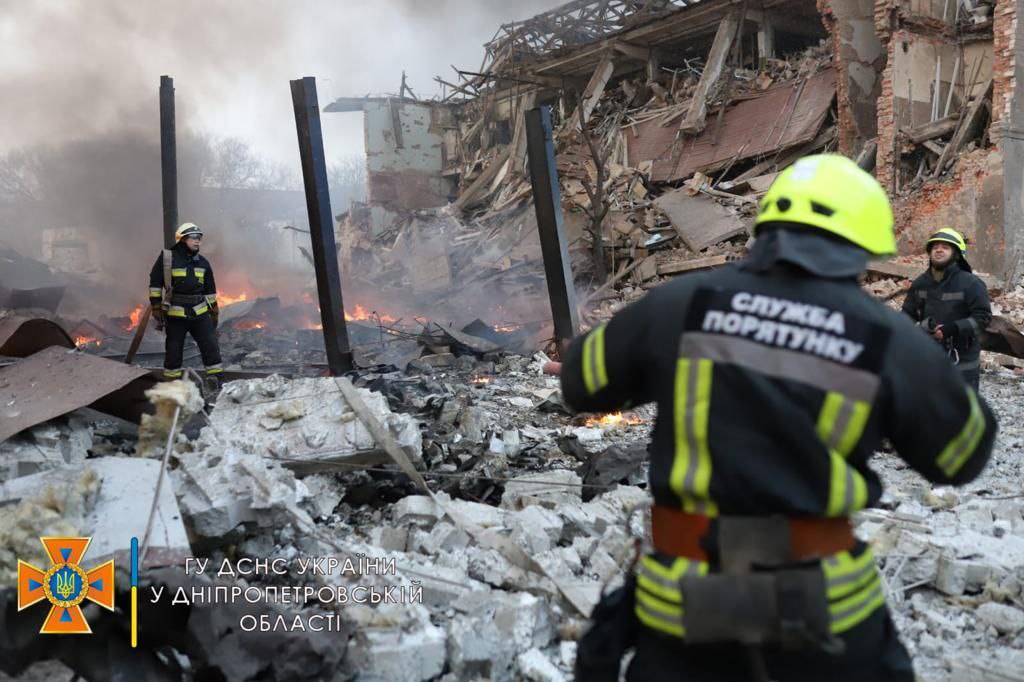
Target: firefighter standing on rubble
x: 183, y: 297
x: 951, y: 303
x: 775, y: 380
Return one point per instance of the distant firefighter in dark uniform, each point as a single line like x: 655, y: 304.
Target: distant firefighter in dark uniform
x: 190, y: 304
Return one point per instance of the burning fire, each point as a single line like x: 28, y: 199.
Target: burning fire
x: 83, y: 341
x: 614, y: 420
x: 480, y: 380
x: 135, y: 317
x: 506, y: 328
x: 228, y: 299
x: 362, y: 313
x: 250, y: 324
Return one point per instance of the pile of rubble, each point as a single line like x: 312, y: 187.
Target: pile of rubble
x: 470, y: 488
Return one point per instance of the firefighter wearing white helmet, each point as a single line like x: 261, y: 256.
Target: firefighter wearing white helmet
x: 951, y: 303
x: 183, y: 297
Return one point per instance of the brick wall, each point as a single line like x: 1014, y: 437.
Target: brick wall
x: 1004, y: 29
x: 847, y: 128
x: 886, y: 156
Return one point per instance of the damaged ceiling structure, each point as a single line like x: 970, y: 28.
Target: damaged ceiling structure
x: 446, y: 458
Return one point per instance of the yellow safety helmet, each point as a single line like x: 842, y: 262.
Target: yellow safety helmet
x: 950, y: 236
x: 187, y: 230
x: 830, y: 192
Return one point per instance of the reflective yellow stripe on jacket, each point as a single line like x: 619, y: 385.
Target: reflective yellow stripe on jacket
x: 595, y: 373
x: 690, y: 477
x: 840, y: 425
x: 854, y: 589
x: 955, y: 455
x: 179, y: 272
x: 659, y: 601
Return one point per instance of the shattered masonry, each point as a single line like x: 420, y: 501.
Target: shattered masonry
x: 518, y: 513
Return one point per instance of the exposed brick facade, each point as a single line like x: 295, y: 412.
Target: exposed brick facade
x: 1003, y: 64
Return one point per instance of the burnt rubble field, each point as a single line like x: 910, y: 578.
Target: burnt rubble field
x: 529, y: 512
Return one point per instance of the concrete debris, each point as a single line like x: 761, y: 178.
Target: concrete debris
x: 52, y: 444
x: 220, y: 489
x: 99, y: 498
x: 535, y: 666
x: 301, y: 419
x: 1007, y: 620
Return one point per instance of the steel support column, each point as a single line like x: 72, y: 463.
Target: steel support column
x: 548, y: 204
x: 321, y: 224
x: 168, y: 160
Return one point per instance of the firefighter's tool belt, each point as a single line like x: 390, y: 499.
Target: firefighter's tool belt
x: 769, y: 587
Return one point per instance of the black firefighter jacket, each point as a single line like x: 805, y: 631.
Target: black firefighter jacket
x: 191, y: 277
x: 959, y: 302
x: 775, y: 380
x: 775, y: 385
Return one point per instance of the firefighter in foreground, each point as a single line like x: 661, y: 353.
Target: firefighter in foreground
x: 775, y: 380
x: 951, y: 303
x: 183, y: 298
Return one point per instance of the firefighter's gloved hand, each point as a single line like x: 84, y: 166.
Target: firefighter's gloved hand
x: 158, y: 315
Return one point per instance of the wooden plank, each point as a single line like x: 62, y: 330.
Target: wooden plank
x: 595, y: 88
x: 694, y: 265
x: 697, y: 114
x: 929, y: 131
x: 965, y: 131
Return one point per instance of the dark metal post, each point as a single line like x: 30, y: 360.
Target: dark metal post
x: 547, y: 201
x: 321, y: 224
x: 168, y: 159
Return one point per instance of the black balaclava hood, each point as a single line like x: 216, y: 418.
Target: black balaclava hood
x: 808, y: 249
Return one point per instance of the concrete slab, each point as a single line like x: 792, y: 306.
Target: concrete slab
x: 121, y: 508
x: 699, y: 221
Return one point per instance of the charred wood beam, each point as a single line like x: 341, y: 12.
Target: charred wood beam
x: 321, y: 225
x: 168, y: 160
x: 548, y: 205
x: 696, y: 116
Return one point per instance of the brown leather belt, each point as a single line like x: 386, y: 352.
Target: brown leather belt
x: 679, y: 533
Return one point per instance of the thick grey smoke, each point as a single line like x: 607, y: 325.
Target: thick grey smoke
x: 80, y: 92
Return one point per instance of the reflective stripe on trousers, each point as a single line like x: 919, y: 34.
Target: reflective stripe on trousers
x: 853, y: 589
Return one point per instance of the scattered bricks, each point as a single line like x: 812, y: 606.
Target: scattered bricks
x: 540, y: 519
x: 418, y: 509
x: 475, y: 650
x: 449, y: 412
x: 524, y: 621
x: 389, y: 539
x: 551, y: 489
x: 1012, y: 513
x: 975, y: 516
x: 1007, y: 620
x: 474, y: 422
x: 483, y: 515
x: 444, y: 537
x: 442, y: 585
x: 951, y: 577
x: 535, y: 666
x: 395, y: 654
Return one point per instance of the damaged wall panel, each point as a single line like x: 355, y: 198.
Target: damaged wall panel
x: 779, y: 117
x: 859, y: 57
x: 404, y: 155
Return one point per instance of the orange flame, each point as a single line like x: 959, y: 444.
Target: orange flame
x: 250, y: 324
x: 480, y: 380
x: 228, y: 299
x: 614, y: 420
x: 506, y: 328
x: 81, y: 341
x: 135, y: 317
x: 362, y: 313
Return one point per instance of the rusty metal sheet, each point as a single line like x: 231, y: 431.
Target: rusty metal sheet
x: 778, y: 118
x: 20, y: 337
x: 53, y: 382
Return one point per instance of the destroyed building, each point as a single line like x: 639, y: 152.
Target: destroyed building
x: 446, y: 453
x: 921, y: 91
